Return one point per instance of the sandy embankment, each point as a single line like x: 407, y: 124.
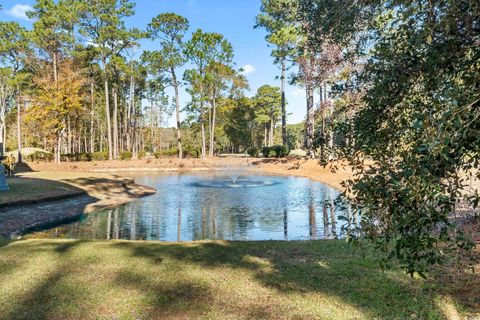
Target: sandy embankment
x: 290, y: 167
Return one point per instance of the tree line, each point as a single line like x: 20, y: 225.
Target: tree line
x: 74, y: 83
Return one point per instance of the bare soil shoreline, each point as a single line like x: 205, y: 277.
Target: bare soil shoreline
x: 291, y: 167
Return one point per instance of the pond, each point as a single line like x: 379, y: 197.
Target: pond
x: 222, y: 205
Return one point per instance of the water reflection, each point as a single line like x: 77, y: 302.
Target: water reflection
x: 186, y: 207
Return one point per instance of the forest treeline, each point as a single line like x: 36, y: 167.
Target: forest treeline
x: 79, y: 82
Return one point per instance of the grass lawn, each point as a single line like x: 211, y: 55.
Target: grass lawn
x: 56, y: 279
x: 31, y: 188
x: 38, y: 186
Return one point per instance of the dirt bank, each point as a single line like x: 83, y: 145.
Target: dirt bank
x: 292, y: 167
x: 332, y: 174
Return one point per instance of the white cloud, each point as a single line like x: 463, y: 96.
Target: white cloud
x: 248, y: 69
x: 297, y: 92
x: 20, y: 11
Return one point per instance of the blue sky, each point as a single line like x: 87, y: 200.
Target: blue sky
x: 232, y: 18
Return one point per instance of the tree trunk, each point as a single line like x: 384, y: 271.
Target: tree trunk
x: 130, y: 110
x: 209, y: 127
x: 3, y: 135
x: 177, y: 113
x: 69, y: 137
x: 115, y: 124
x: 107, y: 111
x: 204, y: 142
x: 2, y: 124
x: 212, y: 133
x: 309, y: 123
x: 58, y: 149
x: 284, y: 107
x: 265, y: 135
x: 134, y: 134
x: 331, y: 154
x: 270, y: 134
x: 19, y: 128
x: 92, y: 114
x: 100, y: 127
x: 152, y: 125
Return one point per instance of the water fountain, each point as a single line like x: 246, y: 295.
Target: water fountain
x: 235, y: 174
x: 231, y: 204
x: 234, y: 178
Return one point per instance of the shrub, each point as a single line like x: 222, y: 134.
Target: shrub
x: 126, y: 155
x: 100, y: 155
x: 141, y: 155
x: 67, y: 157
x: 84, y: 156
x: 281, y: 151
x: 40, y: 156
x: 191, y: 153
x: 71, y: 157
x: 172, y: 152
x: 297, y: 154
x: 253, y: 152
x: 278, y: 151
x: 268, y: 152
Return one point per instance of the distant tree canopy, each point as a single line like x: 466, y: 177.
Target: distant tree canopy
x: 78, y: 82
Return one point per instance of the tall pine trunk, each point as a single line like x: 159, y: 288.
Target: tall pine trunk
x: 69, y: 137
x: 107, y: 111
x: 322, y: 128
x: 284, y: 107
x: 177, y: 113
x: 19, y: 127
x: 115, y: 124
x: 212, y: 131
x: 130, y: 111
x: 204, y: 142
x: 270, y: 132
x: 309, y: 123
x: 331, y: 137
x: 265, y: 135
x: 92, y: 113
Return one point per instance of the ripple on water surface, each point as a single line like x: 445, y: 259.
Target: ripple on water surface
x: 205, y: 206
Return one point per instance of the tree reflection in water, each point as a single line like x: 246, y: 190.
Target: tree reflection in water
x: 284, y: 209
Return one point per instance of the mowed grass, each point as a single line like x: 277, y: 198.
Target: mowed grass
x: 39, y: 186
x: 33, y: 189
x: 68, y: 279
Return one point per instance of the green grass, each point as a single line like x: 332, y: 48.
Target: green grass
x: 52, y: 279
x: 39, y: 186
x: 34, y: 189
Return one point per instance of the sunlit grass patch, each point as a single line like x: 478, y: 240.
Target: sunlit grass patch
x: 206, y: 280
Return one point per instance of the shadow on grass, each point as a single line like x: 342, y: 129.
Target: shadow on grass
x: 326, y: 267
x: 56, y: 296
x: 119, y: 186
x: 314, y: 267
x: 33, y: 203
x: 27, y: 190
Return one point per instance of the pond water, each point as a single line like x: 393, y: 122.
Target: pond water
x: 228, y: 205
